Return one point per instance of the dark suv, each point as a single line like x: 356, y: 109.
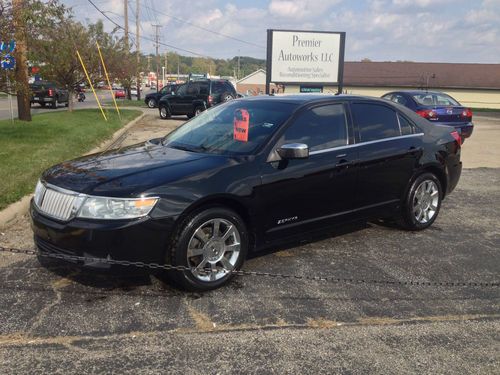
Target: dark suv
x: 194, y: 97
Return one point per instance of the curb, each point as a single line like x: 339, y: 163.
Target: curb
x: 15, y: 210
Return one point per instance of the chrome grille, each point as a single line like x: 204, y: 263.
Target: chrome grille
x: 57, y: 204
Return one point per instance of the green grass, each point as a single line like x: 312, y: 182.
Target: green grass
x: 127, y: 103
x: 28, y: 148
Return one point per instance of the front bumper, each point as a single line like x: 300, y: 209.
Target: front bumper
x: 139, y: 240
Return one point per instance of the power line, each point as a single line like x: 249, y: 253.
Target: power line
x: 144, y: 37
x: 204, y: 28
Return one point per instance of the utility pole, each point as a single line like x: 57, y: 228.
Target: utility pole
x: 138, y: 53
x: 238, y: 77
x: 165, y: 68
x: 157, y: 42
x: 20, y: 54
x: 125, y: 15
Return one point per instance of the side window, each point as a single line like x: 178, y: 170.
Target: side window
x: 203, y: 89
x: 320, y: 128
x: 405, y: 125
x: 399, y: 99
x: 181, y: 90
x: 218, y: 87
x: 193, y: 89
x: 375, y: 121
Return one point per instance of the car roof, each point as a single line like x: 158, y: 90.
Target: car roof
x: 308, y: 98
x: 416, y: 92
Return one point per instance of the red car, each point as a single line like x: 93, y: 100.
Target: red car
x: 119, y: 93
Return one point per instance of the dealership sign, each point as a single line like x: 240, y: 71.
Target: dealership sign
x: 305, y: 57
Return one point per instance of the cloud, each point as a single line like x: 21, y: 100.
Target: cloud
x: 300, y: 9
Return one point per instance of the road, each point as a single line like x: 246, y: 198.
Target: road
x: 90, y: 102
x: 57, y: 319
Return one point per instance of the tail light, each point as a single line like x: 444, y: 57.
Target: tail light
x: 467, y: 113
x: 51, y: 92
x: 457, y: 137
x: 210, y: 99
x: 427, y: 113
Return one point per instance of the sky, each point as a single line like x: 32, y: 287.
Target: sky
x: 380, y: 30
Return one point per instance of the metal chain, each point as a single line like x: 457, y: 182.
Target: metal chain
x: 169, y: 267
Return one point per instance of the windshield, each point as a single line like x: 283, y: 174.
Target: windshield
x: 236, y: 127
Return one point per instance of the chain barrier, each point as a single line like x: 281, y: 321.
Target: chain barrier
x: 169, y: 267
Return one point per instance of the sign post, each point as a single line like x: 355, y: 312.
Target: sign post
x: 311, y: 58
x: 8, y: 63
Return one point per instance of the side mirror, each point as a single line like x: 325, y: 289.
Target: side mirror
x: 294, y: 151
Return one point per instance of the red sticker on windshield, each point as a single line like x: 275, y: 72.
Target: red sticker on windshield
x: 241, y: 122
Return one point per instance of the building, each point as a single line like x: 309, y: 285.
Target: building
x: 253, y: 84
x: 473, y: 85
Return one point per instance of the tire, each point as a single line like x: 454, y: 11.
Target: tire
x: 422, y: 202
x: 54, y: 104
x: 42, y: 105
x: 197, y: 111
x: 151, y: 103
x: 164, y: 112
x: 66, y: 104
x: 208, y: 248
x: 227, y: 96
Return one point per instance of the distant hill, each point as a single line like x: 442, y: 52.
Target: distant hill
x: 222, y: 67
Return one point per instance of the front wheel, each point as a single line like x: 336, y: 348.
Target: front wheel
x: 213, y: 243
x: 164, y: 112
x: 151, y: 103
x: 422, y: 202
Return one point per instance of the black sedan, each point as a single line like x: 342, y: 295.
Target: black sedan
x: 244, y: 175
x: 437, y: 107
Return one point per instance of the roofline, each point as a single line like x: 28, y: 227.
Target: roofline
x: 251, y: 74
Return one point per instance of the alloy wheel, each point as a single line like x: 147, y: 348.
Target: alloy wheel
x: 214, y: 249
x: 425, y: 201
x: 151, y: 103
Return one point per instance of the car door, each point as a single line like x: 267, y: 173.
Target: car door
x: 389, y: 147
x: 310, y: 191
x: 175, y: 101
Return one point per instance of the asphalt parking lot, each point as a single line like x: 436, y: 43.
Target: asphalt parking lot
x: 56, y: 319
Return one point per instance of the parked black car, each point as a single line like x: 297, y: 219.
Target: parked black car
x: 244, y: 175
x: 437, y: 107
x: 47, y: 93
x: 153, y: 98
x: 194, y: 97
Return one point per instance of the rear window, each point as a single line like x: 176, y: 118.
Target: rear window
x: 433, y: 99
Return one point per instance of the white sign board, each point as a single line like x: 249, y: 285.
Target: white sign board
x: 306, y: 56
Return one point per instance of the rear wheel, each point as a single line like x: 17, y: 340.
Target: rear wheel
x: 213, y: 243
x: 422, y: 202
x: 164, y: 112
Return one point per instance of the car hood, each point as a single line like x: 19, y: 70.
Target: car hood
x: 129, y: 171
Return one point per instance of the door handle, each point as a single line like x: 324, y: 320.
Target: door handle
x: 343, y: 163
x: 413, y: 150
x: 341, y: 156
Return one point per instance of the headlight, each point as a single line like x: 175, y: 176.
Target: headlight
x: 115, y: 208
x: 39, y: 192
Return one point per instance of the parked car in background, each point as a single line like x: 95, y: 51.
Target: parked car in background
x: 152, y: 99
x: 48, y: 93
x: 133, y: 91
x: 194, y: 97
x: 119, y: 93
x: 437, y: 107
x: 243, y: 176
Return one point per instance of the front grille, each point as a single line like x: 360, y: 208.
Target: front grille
x: 57, y: 204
